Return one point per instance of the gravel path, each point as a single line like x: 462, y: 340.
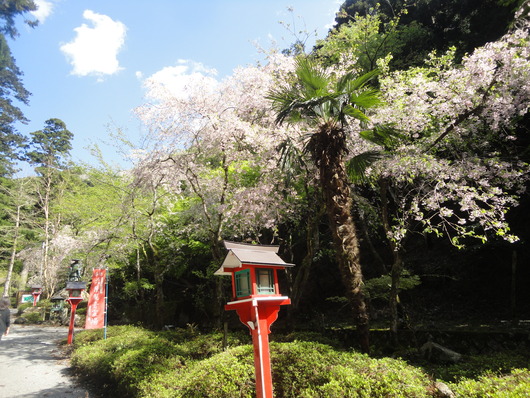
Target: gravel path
x: 32, y: 364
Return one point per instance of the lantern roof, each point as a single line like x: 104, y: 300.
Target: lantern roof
x: 242, y: 253
x: 75, y: 285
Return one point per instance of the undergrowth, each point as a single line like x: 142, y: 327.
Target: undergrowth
x: 135, y: 362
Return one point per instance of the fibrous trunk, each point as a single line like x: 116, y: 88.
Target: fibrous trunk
x: 328, y: 150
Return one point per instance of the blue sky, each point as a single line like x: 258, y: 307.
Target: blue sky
x: 86, y: 60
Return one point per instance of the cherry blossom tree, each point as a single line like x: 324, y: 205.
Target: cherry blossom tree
x: 215, y: 143
x: 452, y: 167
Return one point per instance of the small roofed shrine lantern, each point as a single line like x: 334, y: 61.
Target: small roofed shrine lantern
x: 75, y: 289
x: 256, y: 299
x: 36, y: 291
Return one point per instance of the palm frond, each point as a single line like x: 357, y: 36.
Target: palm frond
x: 355, y: 113
x: 356, y: 167
x: 351, y: 83
x: 386, y: 136
x: 366, y: 99
x: 311, y: 77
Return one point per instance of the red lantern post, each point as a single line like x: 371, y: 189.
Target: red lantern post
x: 257, y: 300
x: 36, y: 291
x: 74, y: 292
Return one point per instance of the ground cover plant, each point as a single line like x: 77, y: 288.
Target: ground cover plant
x: 136, y: 362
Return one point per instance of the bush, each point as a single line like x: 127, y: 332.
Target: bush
x: 305, y: 369
x: 102, y: 360
x: 185, y: 363
x: 300, y: 369
x: 514, y: 385
x: 32, y: 317
x: 479, y: 365
x: 229, y: 374
x: 130, y: 355
x: 22, y: 307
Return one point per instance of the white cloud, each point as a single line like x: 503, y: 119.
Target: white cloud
x: 43, y: 11
x: 94, y: 50
x: 186, y: 74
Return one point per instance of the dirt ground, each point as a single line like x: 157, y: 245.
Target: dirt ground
x: 33, y: 365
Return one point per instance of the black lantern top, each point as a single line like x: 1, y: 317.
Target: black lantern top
x: 75, y: 288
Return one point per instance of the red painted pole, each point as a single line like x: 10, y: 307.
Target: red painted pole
x: 35, y: 297
x: 73, y: 303
x: 258, y: 314
x: 72, y: 321
x: 262, y: 360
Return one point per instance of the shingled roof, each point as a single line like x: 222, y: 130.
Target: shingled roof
x: 242, y: 253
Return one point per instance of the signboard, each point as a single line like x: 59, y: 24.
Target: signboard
x: 26, y: 298
x: 95, y: 315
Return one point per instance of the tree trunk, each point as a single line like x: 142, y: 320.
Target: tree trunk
x: 218, y: 310
x: 397, y: 268
x: 513, y: 290
x: 328, y: 151
x: 160, y: 299
x: 13, y: 255
x: 312, y: 245
x: 397, y: 265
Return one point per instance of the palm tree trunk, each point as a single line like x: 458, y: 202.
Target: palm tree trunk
x: 337, y: 195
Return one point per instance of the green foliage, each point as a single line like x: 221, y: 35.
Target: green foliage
x: 127, y: 355
x: 22, y: 307
x: 482, y: 365
x: 10, y: 10
x: 431, y: 24
x: 307, y: 336
x: 51, y: 144
x: 133, y: 288
x: 379, y: 288
x: 33, y: 315
x: 225, y: 375
x: 185, y: 363
x: 514, y: 385
x: 308, y: 369
x: 11, y: 87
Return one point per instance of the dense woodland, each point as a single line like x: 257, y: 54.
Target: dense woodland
x: 389, y: 162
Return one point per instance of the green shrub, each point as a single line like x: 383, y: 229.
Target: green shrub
x: 229, y: 374
x: 22, y: 307
x: 305, y: 369
x: 141, y: 363
x: 478, y: 365
x: 33, y: 315
x: 314, y: 337
x: 514, y: 385
x: 99, y: 359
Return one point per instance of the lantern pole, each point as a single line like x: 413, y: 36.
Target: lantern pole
x: 73, y: 308
x: 106, y: 304
x: 75, y: 290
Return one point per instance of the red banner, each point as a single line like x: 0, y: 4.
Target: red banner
x: 95, y: 315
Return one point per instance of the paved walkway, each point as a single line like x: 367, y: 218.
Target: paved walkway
x: 32, y: 364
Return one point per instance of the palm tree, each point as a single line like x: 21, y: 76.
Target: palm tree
x: 326, y: 104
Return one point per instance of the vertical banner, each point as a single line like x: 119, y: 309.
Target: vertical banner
x: 95, y: 315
